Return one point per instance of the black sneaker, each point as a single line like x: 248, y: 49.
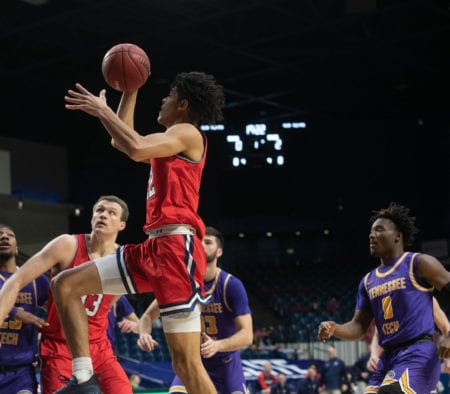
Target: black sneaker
x: 73, y: 387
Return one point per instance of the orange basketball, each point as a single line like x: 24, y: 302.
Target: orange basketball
x: 126, y: 67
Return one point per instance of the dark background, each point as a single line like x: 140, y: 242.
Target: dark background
x: 370, y: 79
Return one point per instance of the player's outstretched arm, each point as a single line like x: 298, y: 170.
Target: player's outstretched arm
x: 181, y: 137
x: 56, y: 252
x: 123, y: 136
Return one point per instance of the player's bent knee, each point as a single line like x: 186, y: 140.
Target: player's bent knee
x: 57, y: 285
x: 61, y: 285
x: 391, y: 389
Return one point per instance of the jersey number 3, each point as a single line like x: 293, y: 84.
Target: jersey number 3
x: 209, y: 325
x: 92, y: 303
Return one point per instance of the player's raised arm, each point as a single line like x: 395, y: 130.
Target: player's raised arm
x: 57, y: 251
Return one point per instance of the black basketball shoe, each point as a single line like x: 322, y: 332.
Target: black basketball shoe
x: 73, y: 387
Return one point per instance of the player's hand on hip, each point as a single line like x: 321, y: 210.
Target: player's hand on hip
x: 326, y: 330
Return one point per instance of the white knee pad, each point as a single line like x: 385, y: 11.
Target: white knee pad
x: 182, y: 322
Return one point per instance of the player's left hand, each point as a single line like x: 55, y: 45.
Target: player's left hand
x: 85, y: 101
x: 209, y: 346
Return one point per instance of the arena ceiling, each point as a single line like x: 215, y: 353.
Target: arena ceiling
x: 276, y: 58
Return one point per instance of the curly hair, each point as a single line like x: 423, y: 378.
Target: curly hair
x: 206, y: 98
x: 399, y: 215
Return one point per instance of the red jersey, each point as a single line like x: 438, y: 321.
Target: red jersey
x: 174, y: 190
x: 97, y: 305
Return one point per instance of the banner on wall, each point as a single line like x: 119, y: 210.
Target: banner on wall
x: 161, y: 373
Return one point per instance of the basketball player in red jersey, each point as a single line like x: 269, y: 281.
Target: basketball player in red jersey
x: 171, y: 263
x: 66, y: 251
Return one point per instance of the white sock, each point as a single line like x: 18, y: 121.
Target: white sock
x: 82, y: 369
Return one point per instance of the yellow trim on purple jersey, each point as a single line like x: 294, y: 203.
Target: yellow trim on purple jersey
x: 394, y: 267
x: 413, y: 278
x: 178, y: 389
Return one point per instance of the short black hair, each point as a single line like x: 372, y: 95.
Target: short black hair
x: 6, y: 226
x: 399, y: 215
x: 206, y: 98
x: 212, y: 231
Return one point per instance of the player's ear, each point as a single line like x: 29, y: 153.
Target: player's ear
x: 183, y: 104
x: 123, y: 224
x: 219, y: 252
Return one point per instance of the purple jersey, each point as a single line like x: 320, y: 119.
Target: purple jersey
x: 402, y: 307
x: 17, y: 338
x: 17, y: 351
x: 401, y: 304
x: 228, y: 301
x: 121, y: 309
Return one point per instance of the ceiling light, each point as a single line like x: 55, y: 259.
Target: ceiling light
x: 35, y: 2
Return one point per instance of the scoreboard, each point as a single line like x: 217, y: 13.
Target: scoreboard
x: 256, y: 145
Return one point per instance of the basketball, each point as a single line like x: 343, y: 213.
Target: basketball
x: 126, y: 67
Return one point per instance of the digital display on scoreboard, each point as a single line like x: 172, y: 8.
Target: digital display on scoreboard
x: 256, y: 144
